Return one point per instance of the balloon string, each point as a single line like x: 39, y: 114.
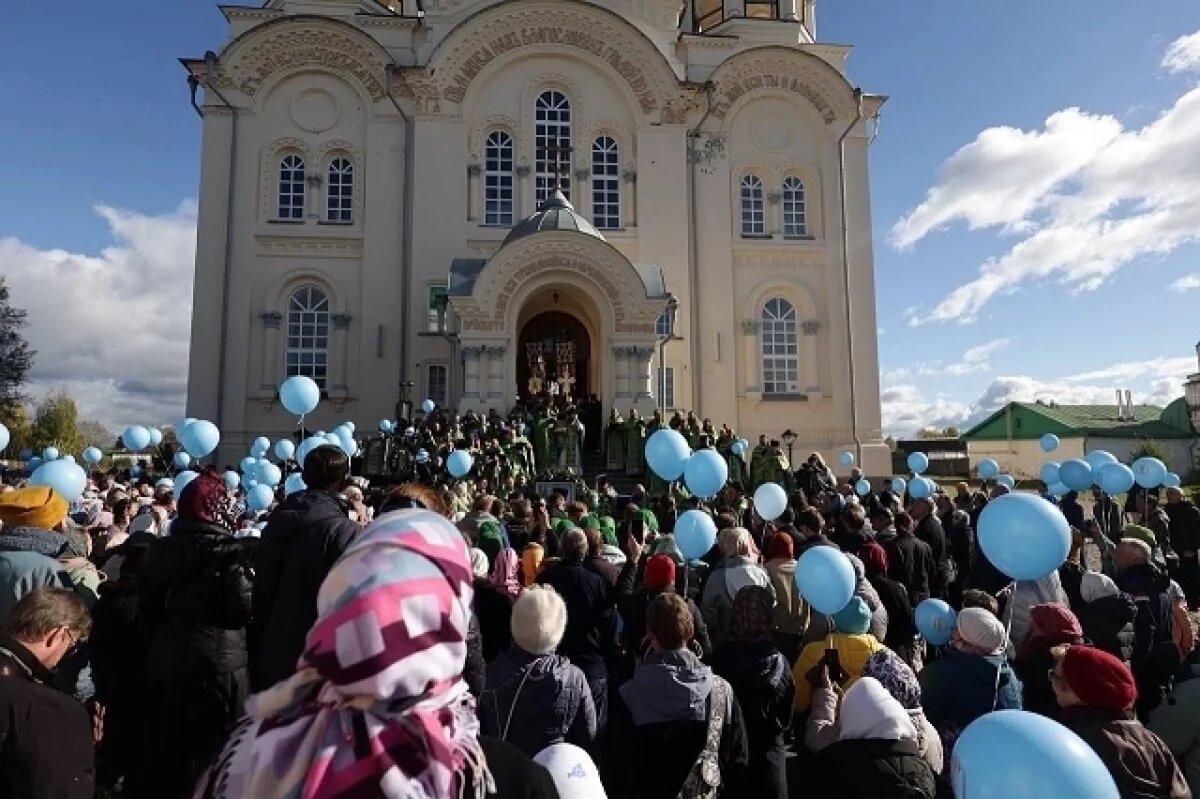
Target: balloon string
x: 1012, y: 600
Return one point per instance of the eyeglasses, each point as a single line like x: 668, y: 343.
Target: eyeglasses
x: 76, y: 641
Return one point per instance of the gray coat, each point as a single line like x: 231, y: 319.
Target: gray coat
x: 533, y: 701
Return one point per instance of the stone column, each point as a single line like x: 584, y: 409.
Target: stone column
x: 621, y: 356
x: 523, y: 193
x: 470, y: 359
x: 473, y: 203
x: 810, y: 358
x: 271, y: 321
x: 629, y: 210
x: 750, y: 329
x: 495, y: 360
x: 643, y: 371
x: 340, y: 373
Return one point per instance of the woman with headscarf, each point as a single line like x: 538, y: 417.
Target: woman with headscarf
x: 761, y: 679
x: 972, y: 678
x: 737, y: 570
x: 901, y: 635
x: 1051, y: 626
x: 1107, y: 615
x: 378, y: 706
x: 194, y: 592
x: 792, y: 612
x: 493, y: 608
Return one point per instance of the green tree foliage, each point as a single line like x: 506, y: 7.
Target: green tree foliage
x: 56, y: 424
x: 1150, y: 448
x: 16, y: 357
x: 95, y: 434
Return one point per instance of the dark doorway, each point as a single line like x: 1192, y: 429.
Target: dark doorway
x: 545, y: 335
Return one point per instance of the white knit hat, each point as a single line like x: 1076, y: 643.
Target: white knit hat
x: 539, y: 619
x: 1095, y: 585
x: 980, y: 628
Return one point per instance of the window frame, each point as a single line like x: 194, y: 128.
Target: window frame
x: 343, y: 208
x: 606, y: 182
x: 793, y: 206
x: 292, y: 183
x: 779, y: 329
x: 444, y: 400
x: 547, y: 129
x: 499, y: 178
x: 431, y: 322
x: 752, y: 207
x: 666, y: 386
x: 310, y: 359
x: 771, y: 5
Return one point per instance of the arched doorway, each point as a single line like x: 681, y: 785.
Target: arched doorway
x: 562, y: 343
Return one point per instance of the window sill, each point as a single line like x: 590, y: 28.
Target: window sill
x: 799, y: 238
x: 336, y: 223
x: 286, y: 221
x: 757, y: 236
x: 796, y: 397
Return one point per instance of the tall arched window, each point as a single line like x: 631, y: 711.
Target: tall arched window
x: 291, y: 187
x: 552, y: 142
x: 339, y: 193
x: 498, y: 179
x: 795, y: 218
x: 780, y: 359
x: 606, y: 183
x: 753, y: 218
x: 308, y: 334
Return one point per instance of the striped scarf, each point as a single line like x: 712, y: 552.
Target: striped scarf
x: 378, y: 707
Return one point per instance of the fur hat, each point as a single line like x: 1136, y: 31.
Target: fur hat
x: 33, y: 506
x: 539, y: 619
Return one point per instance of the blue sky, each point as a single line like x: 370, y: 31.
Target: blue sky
x: 103, y: 153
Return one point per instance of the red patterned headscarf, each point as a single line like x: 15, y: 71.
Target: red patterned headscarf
x: 206, y: 499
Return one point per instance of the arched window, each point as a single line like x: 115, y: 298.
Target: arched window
x: 498, y: 179
x: 795, y: 220
x: 291, y: 187
x: 606, y: 183
x: 339, y: 193
x: 753, y: 218
x: 552, y: 142
x: 780, y: 361
x: 308, y: 334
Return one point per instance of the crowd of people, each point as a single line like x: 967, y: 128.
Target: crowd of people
x: 478, y: 637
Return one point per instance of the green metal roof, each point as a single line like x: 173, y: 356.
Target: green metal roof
x: 1035, y: 419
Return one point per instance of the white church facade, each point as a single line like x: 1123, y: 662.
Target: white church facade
x: 664, y: 205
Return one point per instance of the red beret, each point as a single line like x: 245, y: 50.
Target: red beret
x: 1099, y: 679
x: 660, y: 572
x: 780, y: 546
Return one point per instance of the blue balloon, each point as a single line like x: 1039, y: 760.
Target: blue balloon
x: 705, y: 473
x: 5, y: 437
x: 1049, y: 473
x: 386, y: 426
x: 695, y: 534
x: 285, y: 449
x: 1075, y: 474
x: 181, y: 460
x: 825, y: 578
x: 1115, y: 478
x: 92, y: 455
x: 351, y: 426
x: 1049, y: 442
x: 248, y: 465
x: 33, y: 463
x: 307, y: 446
x: 988, y: 469
x: 737, y: 448
x: 770, y: 501
x: 1011, y: 753
x: 921, y: 488
x: 300, y: 395
x: 862, y: 487
x: 68, y: 458
x: 200, y: 438
x: 428, y: 406
x: 181, y: 482
x: 135, y: 438
x: 667, y: 452
x: 1058, y: 490
x: 260, y: 497
x: 459, y: 463
x: 1007, y: 481
x: 935, y: 620
x: 268, y: 473
x: 918, y: 462
x: 49, y: 454
x: 293, y: 483
x: 1149, y: 472
x: 898, y: 485
x: 232, y: 480
x: 1098, y: 458
x: 67, y: 479
x: 1172, y: 480
x: 846, y: 459
x: 250, y: 483
x: 344, y: 437
x: 260, y: 446
x: 156, y: 436
x: 1024, y: 536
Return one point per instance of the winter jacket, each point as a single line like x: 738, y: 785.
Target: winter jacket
x: 792, y: 612
x: 1155, y: 655
x: 590, y: 600
x: 821, y: 729
x: 959, y: 688
x: 633, y: 641
x: 658, y: 725
x: 1140, y: 763
x: 493, y: 609
x: 900, y: 627
x: 1185, y: 526
x: 872, y: 768
x: 1108, y: 623
x: 960, y: 539
x: 304, y: 537
x: 516, y: 776
x: 930, y: 531
x: 911, y: 563
x: 1033, y: 668
x: 1026, y: 594
x: 27, y: 561
x: 762, y: 682
x: 1177, y: 722
x: 533, y: 701
x: 716, y: 602
x: 853, y: 653
x: 45, y: 736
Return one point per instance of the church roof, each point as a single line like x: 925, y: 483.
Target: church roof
x: 556, y: 213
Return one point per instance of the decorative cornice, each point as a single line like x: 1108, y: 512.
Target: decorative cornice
x: 643, y: 353
x: 271, y: 319
x: 341, y: 321
x: 307, y: 246
x: 625, y: 352
x: 472, y: 353
x: 495, y: 352
x: 782, y: 69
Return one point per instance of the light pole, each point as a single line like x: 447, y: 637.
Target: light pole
x: 672, y: 310
x: 404, y: 406
x: 789, y: 438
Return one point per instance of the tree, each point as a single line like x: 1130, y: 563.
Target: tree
x: 1149, y: 448
x: 56, y: 424
x: 16, y: 419
x: 16, y: 357
x: 95, y: 434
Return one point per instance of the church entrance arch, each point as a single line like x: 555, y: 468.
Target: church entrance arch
x: 554, y: 357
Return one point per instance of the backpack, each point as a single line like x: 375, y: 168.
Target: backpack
x: 704, y: 780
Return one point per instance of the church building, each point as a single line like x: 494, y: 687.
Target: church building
x: 661, y: 203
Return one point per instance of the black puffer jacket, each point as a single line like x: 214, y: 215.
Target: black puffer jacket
x: 305, y: 536
x: 534, y: 701
x: 761, y: 679
x: 872, y: 769
x: 1108, y: 623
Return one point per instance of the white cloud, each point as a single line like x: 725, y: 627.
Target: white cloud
x: 112, y: 329
x: 972, y: 361
x: 1085, y: 195
x: 1175, y: 368
x: 906, y: 410
x: 1186, y: 283
x: 1183, y: 54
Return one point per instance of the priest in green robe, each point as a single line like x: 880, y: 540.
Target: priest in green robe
x: 614, y: 443
x: 635, y: 443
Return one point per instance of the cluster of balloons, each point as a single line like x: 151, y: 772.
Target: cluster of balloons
x: 136, y: 438
x: 669, y: 456
x: 1101, y: 468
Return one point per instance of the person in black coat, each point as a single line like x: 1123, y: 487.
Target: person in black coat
x: 761, y: 679
x: 902, y: 629
x: 910, y: 560
x: 194, y: 595
x: 929, y: 529
x: 1107, y: 616
x: 304, y: 537
x: 657, y: 578
x: 1155, y: 656
x: 45, y: 735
